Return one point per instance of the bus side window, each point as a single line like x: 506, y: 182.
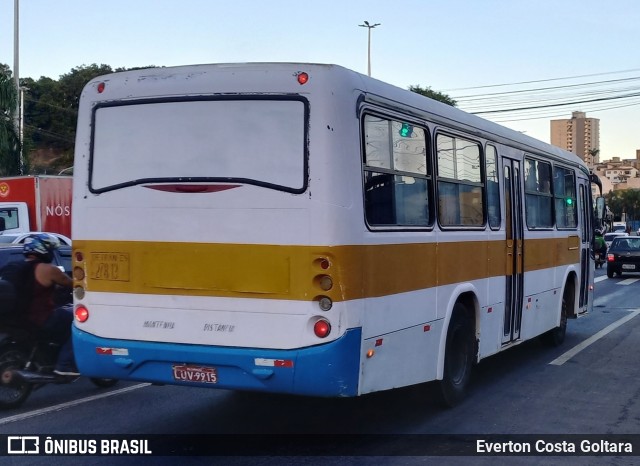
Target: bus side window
x: 564, y: 191
x: 538, y: 200
x: 396, y: 179
x: 460, y: 187
x: 379, y: 198
x: 493, y: 188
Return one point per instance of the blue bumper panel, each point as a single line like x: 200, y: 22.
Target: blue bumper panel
x: 328, y: 370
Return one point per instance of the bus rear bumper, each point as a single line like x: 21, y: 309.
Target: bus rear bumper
x: 331, y: 369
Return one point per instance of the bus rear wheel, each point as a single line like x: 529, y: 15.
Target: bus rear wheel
x: 458, y: 358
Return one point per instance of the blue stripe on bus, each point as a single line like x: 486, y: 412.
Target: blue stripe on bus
x: 331, y: 369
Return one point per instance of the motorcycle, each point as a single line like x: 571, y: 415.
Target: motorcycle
x: 27, y: 357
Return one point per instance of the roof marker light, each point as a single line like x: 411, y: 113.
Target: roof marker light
x: 101, y: 87
x: 303, y: 78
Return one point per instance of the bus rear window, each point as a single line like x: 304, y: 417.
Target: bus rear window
x: 254, y: 141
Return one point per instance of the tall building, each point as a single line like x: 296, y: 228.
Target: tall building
x: 580, y: 135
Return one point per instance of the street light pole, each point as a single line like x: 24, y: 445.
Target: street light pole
x: 369, y: 27
x: 21, y: 126
x: 16, y: 75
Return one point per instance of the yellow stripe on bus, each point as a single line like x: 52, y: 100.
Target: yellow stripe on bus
x: 292, y: 272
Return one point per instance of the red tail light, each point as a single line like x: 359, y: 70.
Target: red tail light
x: 322, y: 328
x: 611, y: 257
x: 82, y: 314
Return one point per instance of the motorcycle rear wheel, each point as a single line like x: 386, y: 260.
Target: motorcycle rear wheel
x: 12, y: 393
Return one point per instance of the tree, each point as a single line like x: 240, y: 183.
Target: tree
x: 435, y: 95
x: 9, y: 139
x: 626, y: 202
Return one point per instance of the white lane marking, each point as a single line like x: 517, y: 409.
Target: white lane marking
x: 600, y: 278
x: 593, y: 338
x: 628, y: 281
x: 69, y: 404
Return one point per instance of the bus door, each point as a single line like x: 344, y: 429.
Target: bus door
x: 586, y: 224
x: 514, y: 240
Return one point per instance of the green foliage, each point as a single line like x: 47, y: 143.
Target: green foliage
x: 51, y: 107
x: 51, y: 110
x: 9, y: 140
x: 435, y: 95
x: 624, y: 201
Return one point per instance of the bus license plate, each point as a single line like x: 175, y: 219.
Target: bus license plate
x: 199, y: 374
x: 629, y: 266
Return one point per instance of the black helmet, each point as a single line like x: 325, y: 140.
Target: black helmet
x: 41, y: 245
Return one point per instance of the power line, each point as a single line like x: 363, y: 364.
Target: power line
x: 521, y: 91
x: 49, y: 133
x: 548, y: 101
x: 547, y: 115
x: 556, y: 105
x: 541, y: 80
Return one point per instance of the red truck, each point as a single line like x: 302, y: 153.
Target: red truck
x: 36, y: 203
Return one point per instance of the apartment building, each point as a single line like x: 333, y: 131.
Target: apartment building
x: 579, y: 134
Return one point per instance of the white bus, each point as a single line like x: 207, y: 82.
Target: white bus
x: 305, y: 229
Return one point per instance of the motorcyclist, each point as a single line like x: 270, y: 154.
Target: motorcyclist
x: 54, y: 321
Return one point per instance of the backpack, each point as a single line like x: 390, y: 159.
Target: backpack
x: 20, y: 275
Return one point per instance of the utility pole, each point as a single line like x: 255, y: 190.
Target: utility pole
x: 369, y: 27
x: 16, y: 74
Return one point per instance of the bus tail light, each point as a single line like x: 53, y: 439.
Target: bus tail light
x: 82, y: 314
x: 322, y: 328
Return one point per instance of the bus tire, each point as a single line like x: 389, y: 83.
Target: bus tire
x: 556, y: 336
x: 458, y: 358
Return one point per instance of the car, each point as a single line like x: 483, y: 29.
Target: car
x: 18, y: 238
x: 609, y: 237
x: 623, y: 256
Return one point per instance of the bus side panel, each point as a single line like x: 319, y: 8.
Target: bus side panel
x: 401, y: 358
x: 325, y: 370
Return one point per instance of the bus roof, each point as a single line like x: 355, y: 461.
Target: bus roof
x: 375, y: 91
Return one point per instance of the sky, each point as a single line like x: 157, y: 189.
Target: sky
x: 453, y: 46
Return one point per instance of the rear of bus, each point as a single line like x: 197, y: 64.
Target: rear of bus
x: 205, y: 225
